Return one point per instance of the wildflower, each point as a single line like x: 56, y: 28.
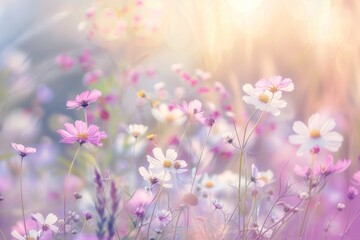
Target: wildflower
x: 83, y: 99
x: 136, y: 130
x: 168, y: 114
x: 228, y: 137
x: 22, y: 150
x: 47, y: 223
x: 260, y: 178
x: 65, y: 62
x: 140, y: 212
x: 264, y: 99
x: 193, y: 110
x: 168, y: 163
x: 274, y: 84
x: 288, y: 208
x: 352, y: 193
x: 141, y: 94
x: 151, y: 137
x: 340, y: 207
x: 356, y: 178
x: 153, y: 179
x: 217, y: 204
x: 164, y: 216
x: 88, y: 216
x: 77, y: 195
x: 190, y: 199
x: 81, y: 133
x: 317, y: 133
x: 203, y: 75
x: 33, y: 235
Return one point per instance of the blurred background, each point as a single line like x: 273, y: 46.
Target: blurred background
x: 52, y: 50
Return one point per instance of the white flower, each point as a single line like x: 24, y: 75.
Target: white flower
x: 203, y: 75
x: 168, y: 163
x: 136, y: 130
x: 193, y: 110
x: 33, y: 235
x: 261, y: 178
x: 153, y: 178
x: 318, y: 132
x: 164, y: 216
x: 168, y: 114
x: 48, y: 222
x: 274, y: 84
x: 264, y: 99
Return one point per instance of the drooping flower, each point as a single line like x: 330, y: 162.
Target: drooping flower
x: 136, y: 130
x: 168, y: 114
x: 22, y: 150
x: 33, y: 235
x: 274, y: 84
x: 165, y: 163
x: 83, y: 99
x: 46, y: 223
x: 152, y: 178
x: 261, y: 178
x: 193, y: 110
x: 81, y: 133
x: 264, y: 99
x: 318, y: 132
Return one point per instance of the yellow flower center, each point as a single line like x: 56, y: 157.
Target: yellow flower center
x: 273, y: 89
x: 177, y: 165
x: 264, y: 98
x: 167, y: 164
x: 314, y: 133
x: 135, y: 134
x: 81, y: 135
x: 141, y: 94
x: 170, y: 118
x: 209, y: 184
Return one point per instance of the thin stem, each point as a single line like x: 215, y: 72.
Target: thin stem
x: 199, y: 160
x: 82, y: 229
x: 250, y: 213
x: 85, y: 116
x: 65, y: 190
x: 152, y: 214
x: 177, y: 222
x: 183, y: 134
x: 21, y: 195
x: 348, y: 217
x: 329, y: 224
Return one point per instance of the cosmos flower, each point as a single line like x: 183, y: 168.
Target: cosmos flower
x: 33, y: 235
x: 168, y: 114
x: 136, y: 130
x: 46, y: 223
x: 22, y: 150
x: 153, y: 178
x: 83, y: 99
x: 356, y: 178
x: 318, y: 132
x: 168, y: 163
x: 65, y: 62
x: 261, y: 178
x: 274, y: 84
x: 164, y: 216
x: 264, y: 99
x: 193, y: 110
x: 81, y: 133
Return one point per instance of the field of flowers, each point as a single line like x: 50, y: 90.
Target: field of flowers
x: 161, y: 119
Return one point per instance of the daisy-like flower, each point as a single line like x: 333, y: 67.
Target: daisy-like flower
x: 264, y: 99
x: 324, y: 169
x: 274, y: 84
x: 164, y: 216
x: 318, y: 132
x: 165, y: 163
x: 136, y: 130
x: 33, y: 235
x: 81, y: 133
x: 153, y: 178
x: 22, y: 150
x: 261, y: 178
x: 46, y: 223
x: 65, y: 62
x: 193, y: 110
x: 83, y: 99
x: 168, y: 114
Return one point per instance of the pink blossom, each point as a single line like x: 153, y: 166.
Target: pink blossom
x: 274, y: 84
x: 193, y: 109
x: 65, y: 62
x: 356, y: 178
x: 81, y: 133
x: 85, y: 59
x: 92, y: 76
x: 83, y: 99
x: 22, y: 150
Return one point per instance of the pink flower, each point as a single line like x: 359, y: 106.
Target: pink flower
x: 323, y: 169
x: 356, y: 178
x: 64, y: 61
x: 22, y: 150
x: 274, y: 84
x: 83, y: 99
x: 193, y: 110
x: 81, y: 133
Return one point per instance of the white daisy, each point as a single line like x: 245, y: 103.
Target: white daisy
x: 318, y: 132
x: 136, y: 130
x: 264, y: 99
x: 168, y: 114
x: 46, y: 223
x: 33, y: 235
x: 162, y: 164
x: 153, y: 178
